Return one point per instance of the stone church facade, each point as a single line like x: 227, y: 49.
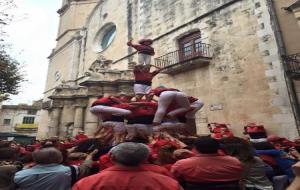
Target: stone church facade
x: 225, y: 52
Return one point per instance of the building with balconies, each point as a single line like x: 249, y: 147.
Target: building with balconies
x: 225, y: 52
x: 19, y: 120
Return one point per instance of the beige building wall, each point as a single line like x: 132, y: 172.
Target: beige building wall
x: 288, y: 25
x: 244, y: 79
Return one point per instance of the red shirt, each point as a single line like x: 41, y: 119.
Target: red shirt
x: 142, y: 48
x: 143, y: 109
x: 208, y: 168
x: 105, y: 163
x: 127, y: 178
x: 157, y: 91
x: 104, y: 101
x: 81, y: 137
x: 140, y: 75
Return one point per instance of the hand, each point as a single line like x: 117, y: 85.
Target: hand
x: 296, y: 169
x: 91, y: 155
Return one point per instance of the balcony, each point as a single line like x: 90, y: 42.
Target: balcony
x: 292, y: 65
x: 26, y: 127
x: 188, y: 58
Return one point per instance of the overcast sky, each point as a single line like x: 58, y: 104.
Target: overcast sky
x: 32, y: 36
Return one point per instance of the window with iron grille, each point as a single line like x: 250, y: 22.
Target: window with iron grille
x: 6, y: 121
x: 28, y: 120
x: 190, y: 46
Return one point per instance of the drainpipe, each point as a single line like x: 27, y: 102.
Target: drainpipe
x: 282, y: 52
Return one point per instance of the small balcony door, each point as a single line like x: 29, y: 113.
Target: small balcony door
x: 190, y: 46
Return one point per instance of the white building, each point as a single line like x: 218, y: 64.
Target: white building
x: 20, y: 119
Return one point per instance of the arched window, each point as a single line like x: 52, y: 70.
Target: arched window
x: 108, y: 37
x: 104, y: 37
x: 190, y: 45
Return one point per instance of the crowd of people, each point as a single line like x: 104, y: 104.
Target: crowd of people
x: 158, y: 162
x: 148, y: 141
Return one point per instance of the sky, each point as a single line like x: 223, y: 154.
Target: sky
x: 32, y: 36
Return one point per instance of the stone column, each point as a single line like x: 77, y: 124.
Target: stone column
x: 78, y: 120
x: 54, y: 121
x: 67, y: 118
x: 91, y: 121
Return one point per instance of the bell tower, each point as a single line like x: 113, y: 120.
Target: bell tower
x: 73, y: 14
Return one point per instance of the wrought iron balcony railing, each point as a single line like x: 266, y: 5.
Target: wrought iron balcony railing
x: 292, y: 64
x: 185, y: 58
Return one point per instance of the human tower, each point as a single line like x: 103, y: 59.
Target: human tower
x: 150, y: 110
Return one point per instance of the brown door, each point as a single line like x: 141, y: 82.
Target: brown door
x: 190, y: 46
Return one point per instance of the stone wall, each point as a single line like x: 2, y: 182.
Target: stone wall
x: 244, y: 80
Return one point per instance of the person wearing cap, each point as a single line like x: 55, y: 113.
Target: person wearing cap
x: 144, y: 49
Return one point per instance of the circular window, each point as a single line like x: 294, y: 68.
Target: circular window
x: 105, y: 36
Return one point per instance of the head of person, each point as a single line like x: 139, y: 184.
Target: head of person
x: 165, y: 154
x: 239, y: 148
x: 207, y: 145
x: 124, y: 97
x: 150, y: 96
x: 8, y: 154
x: 14, y: 145
x: 182, y: 154
x: 139, y: 138
x: 129, y: 154
x: 49, y: 155
x: 146, y: 68
x: 146, y: 42
x: 139, y: 97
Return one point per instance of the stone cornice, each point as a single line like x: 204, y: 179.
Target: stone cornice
x: 65, y: 45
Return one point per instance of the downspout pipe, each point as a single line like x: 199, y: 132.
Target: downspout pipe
x: 282, y: 52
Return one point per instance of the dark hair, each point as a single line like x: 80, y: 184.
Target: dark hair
x: 207, y: 145
x: 139, y: 139
x: 8, y: 153
x: 263, y: 146
x: 239, y: 148
x: 89, y: 145
x: 165, y: 154
x: 4, y: 144
x: 27, y: 158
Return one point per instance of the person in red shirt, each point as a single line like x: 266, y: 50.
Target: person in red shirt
x: 143, y: 80
x: 81, y: 136
x: 140, y: 121
x: 145, y: 51
x: 208, y: 167
x: 127, y: 172
x: 112, y: 113
x: 167, y: 96
x: 106, y: 105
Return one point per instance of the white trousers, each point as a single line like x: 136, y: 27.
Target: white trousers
x: 109, y: 110
x: 144, y: 59
x: 118, y: 127
x: 141, y: 89
x: 197, y: 105
x: 165, y: 99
